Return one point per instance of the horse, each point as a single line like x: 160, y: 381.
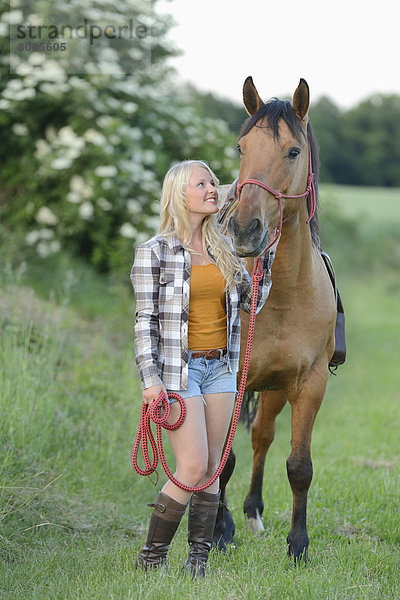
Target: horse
x: 294, y: 337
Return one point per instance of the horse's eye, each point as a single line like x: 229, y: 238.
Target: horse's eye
x: 293, y: 152
x: 238, y: 148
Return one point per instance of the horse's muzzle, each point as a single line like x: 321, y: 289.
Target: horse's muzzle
x: 249, y: 240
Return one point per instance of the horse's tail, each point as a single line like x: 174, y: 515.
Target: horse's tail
x: 249, y: 408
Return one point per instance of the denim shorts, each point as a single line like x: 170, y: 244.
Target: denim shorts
x: 208, y: 376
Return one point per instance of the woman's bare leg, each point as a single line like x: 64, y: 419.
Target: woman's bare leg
x: 189, y: 445
x: 218, y: 413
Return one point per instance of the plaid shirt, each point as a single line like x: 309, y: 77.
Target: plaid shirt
x: 161, y: 279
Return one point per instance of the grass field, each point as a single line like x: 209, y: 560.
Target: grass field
x: 377, y: 204
x: 73, y: 513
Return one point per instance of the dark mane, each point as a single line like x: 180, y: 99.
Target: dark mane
x: 272, y: 111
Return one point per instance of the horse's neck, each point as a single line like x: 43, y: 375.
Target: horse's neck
x: 293, y: 262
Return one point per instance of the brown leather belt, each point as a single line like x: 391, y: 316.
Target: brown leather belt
x: 210, y: 353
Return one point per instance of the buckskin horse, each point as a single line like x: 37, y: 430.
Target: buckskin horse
x: 294, y: 337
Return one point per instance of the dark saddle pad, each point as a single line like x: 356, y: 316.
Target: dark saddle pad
x: 339, y: 355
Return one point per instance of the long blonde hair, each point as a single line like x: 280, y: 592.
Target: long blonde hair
x: 174, y: 219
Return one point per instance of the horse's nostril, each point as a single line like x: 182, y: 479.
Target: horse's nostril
x: 255, y: 226
x: 233, y: 226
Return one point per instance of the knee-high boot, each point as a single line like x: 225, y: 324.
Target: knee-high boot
x: 164, y: 522
x: 203, y: 508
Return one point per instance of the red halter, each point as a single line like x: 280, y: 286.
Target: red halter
x: 310, y: 191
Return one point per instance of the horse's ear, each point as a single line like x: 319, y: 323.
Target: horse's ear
x: 301, y: 99
x: 251, y: 99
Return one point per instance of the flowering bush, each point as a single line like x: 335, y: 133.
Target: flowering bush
x: 84, y: 154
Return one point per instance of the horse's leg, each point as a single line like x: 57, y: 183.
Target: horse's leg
x: 224, y: 525
x: 270, y: 404
x: 299, y: 465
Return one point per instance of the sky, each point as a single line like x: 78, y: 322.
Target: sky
x: 346, y: 50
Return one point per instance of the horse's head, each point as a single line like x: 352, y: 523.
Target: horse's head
x: 274, y: 150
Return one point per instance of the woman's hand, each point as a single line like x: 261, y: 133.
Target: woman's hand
x: 153, y: 392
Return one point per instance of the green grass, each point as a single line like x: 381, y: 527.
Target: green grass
x: 73, y: 513
x: 381, y: 205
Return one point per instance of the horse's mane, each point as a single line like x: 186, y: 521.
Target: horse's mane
x: 272, y: 111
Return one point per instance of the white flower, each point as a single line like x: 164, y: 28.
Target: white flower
x: 127, y: 230
x: 45, y: 249
x: 104, y: 204
x: 53, y: 71
x: 141, y: 237
x: 19, y: 95
x: 106, y: 184
x: 51, y: 133
x: 24, y: 69
x: 54, y: 89
x: 77, y: 183
x: 46, y: 216
x: 129, y: 107
x: 79, y: 83
x: 106, y: 171
x: 86, y: 211
x: 42, y: 148
x: 46, y: 234
x: 87, y: 190
x: 136, y: 133
x: 148, y: 175
x: 61, y: 163
x: 74, y: 198
x: 14, y: 17
x: 114, y: 139
x: 36, y: 58
x: 80, y: 188
x: 4, y: 104
x: 32, y: 237
x: 149, y: 157
x: 230, y: 152
x: 133, y: 205
x: 104, y: 121
x: 15, y: 85
x: 94, y: 137
x: 67, y: 137
x: 55, y: 246
x: 153, y: 222
x: 20, y: 129
x: 113, y: 103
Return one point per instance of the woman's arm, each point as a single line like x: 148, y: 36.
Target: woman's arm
x: 145, y: 276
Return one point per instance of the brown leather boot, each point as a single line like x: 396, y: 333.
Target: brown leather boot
x: 164, y: 522
x: 203, y: 508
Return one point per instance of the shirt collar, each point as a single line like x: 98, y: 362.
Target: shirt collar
x: 173, y: 242
x: 175, y: 245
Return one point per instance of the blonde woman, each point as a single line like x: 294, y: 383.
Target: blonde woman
x: 189, y: 288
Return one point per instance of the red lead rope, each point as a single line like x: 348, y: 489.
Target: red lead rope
x: 159, y: 410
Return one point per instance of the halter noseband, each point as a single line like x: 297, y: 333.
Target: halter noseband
x: 310, y: 191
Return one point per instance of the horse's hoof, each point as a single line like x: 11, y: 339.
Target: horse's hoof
x: 298, y: 552
x: 254, y: 524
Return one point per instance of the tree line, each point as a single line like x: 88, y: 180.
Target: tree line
x: 358, y: 146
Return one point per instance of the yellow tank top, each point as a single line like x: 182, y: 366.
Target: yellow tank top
x: 207, y: 313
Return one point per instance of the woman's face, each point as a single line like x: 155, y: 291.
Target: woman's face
x: 201, y: 195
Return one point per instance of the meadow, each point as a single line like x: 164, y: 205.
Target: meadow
x: 73, y: 513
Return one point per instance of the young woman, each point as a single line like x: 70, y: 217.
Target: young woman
x: 189, y: 288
